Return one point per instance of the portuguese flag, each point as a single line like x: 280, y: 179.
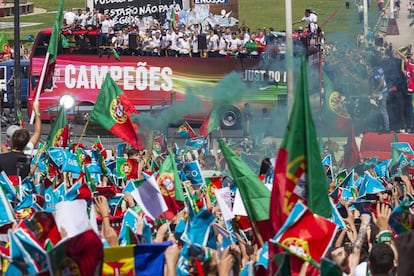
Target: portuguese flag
x: 59, y: 133
x: 334, y: 111
x: 299, y: 174
x: 127, y: 168
x: 4, y: 45
x: 113, y: 111
x: 211, y: 123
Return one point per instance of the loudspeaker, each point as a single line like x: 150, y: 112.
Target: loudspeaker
x: 202, y: 42
x: 132, y: 41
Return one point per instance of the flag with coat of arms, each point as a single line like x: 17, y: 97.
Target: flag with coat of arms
x: 112, y: 110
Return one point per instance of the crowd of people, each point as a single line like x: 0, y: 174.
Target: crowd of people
x: 205, y: 232
x: 383, y: 103
x: 150, y: 37
x: 193, y: 212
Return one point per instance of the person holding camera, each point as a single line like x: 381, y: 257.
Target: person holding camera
x: 17, y: 161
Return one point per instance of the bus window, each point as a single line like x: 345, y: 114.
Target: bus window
x: 35, y: 80
x: 3, y: 78
x: 24, y: 72
x: 2, y: 73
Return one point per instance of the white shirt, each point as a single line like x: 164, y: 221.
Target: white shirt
x: 70, y: 17
x: 213, y: 42
x: 106, y: 25
x: 184, y: 45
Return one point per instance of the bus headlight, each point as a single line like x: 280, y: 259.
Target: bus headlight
x: 67, y: 101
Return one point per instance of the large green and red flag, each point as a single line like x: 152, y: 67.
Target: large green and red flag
x: 170, y: 184
x: 113, y: 111
x: 59, y: 133
x: 334, y: 112
x: 255, y: 195
x: 4, y: 45
x: 299, y: 174
x: 306, y: 235
x: 82, y: 254
x: 211, y: 123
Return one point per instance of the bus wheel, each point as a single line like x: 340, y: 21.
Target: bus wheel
x: 230, y: 118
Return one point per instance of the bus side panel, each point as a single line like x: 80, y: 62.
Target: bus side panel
x: 147, y: 81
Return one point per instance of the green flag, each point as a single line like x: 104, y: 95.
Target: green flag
x: 211, y: 123
x: 59, y: 132
x: 52, y: 49
x: 169, y: 170
x: 299, y: 174
x: 4, y: 45
x: 115, y: 53
x: 255, y: 195
x: 19, y: 116
x: 329, y: 268
x: 334, y: 112
x: 112, y: 110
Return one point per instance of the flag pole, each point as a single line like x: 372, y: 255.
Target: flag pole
x: 258, y: 235
x: 82, y: 134
x: 289, y: 54
x: 40, y: 85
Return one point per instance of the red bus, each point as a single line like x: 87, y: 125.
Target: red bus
x: 151, y: 83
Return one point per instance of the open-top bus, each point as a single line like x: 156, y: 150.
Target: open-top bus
x: 151, y: 83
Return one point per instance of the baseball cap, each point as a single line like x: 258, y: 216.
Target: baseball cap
x: 10, y: 130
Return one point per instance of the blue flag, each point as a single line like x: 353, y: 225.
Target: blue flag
x: 346, y: 183
x: 33, y: 248
x: 27, y: 186
x: 50, y: 198
x: 57, y: 156
x: 402, y: 161
x: 402, y: 147
x: 150, y: 258
x: 130, y: 186
x: 336, y: 217
x: 198, y: 228
x: 70, y: 163
x: 382, y: 168
x: 128, y: 222
x: 7, y: 185
x: 196, y: 142
x: 193, y: 173
x: 6, y: 211
x: 120, y: 149
x: 370, y: 185
x: 60, y: 193
x: 21, y: 259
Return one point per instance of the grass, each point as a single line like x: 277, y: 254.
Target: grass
x: 338, y: 22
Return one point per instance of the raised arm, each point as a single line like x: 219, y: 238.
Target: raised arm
x: 38, y: 125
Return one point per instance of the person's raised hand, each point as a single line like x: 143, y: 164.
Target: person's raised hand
x: 382, y: 216
x: 36, y: 108
x: 225, y: 263
x: 101, y: 206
